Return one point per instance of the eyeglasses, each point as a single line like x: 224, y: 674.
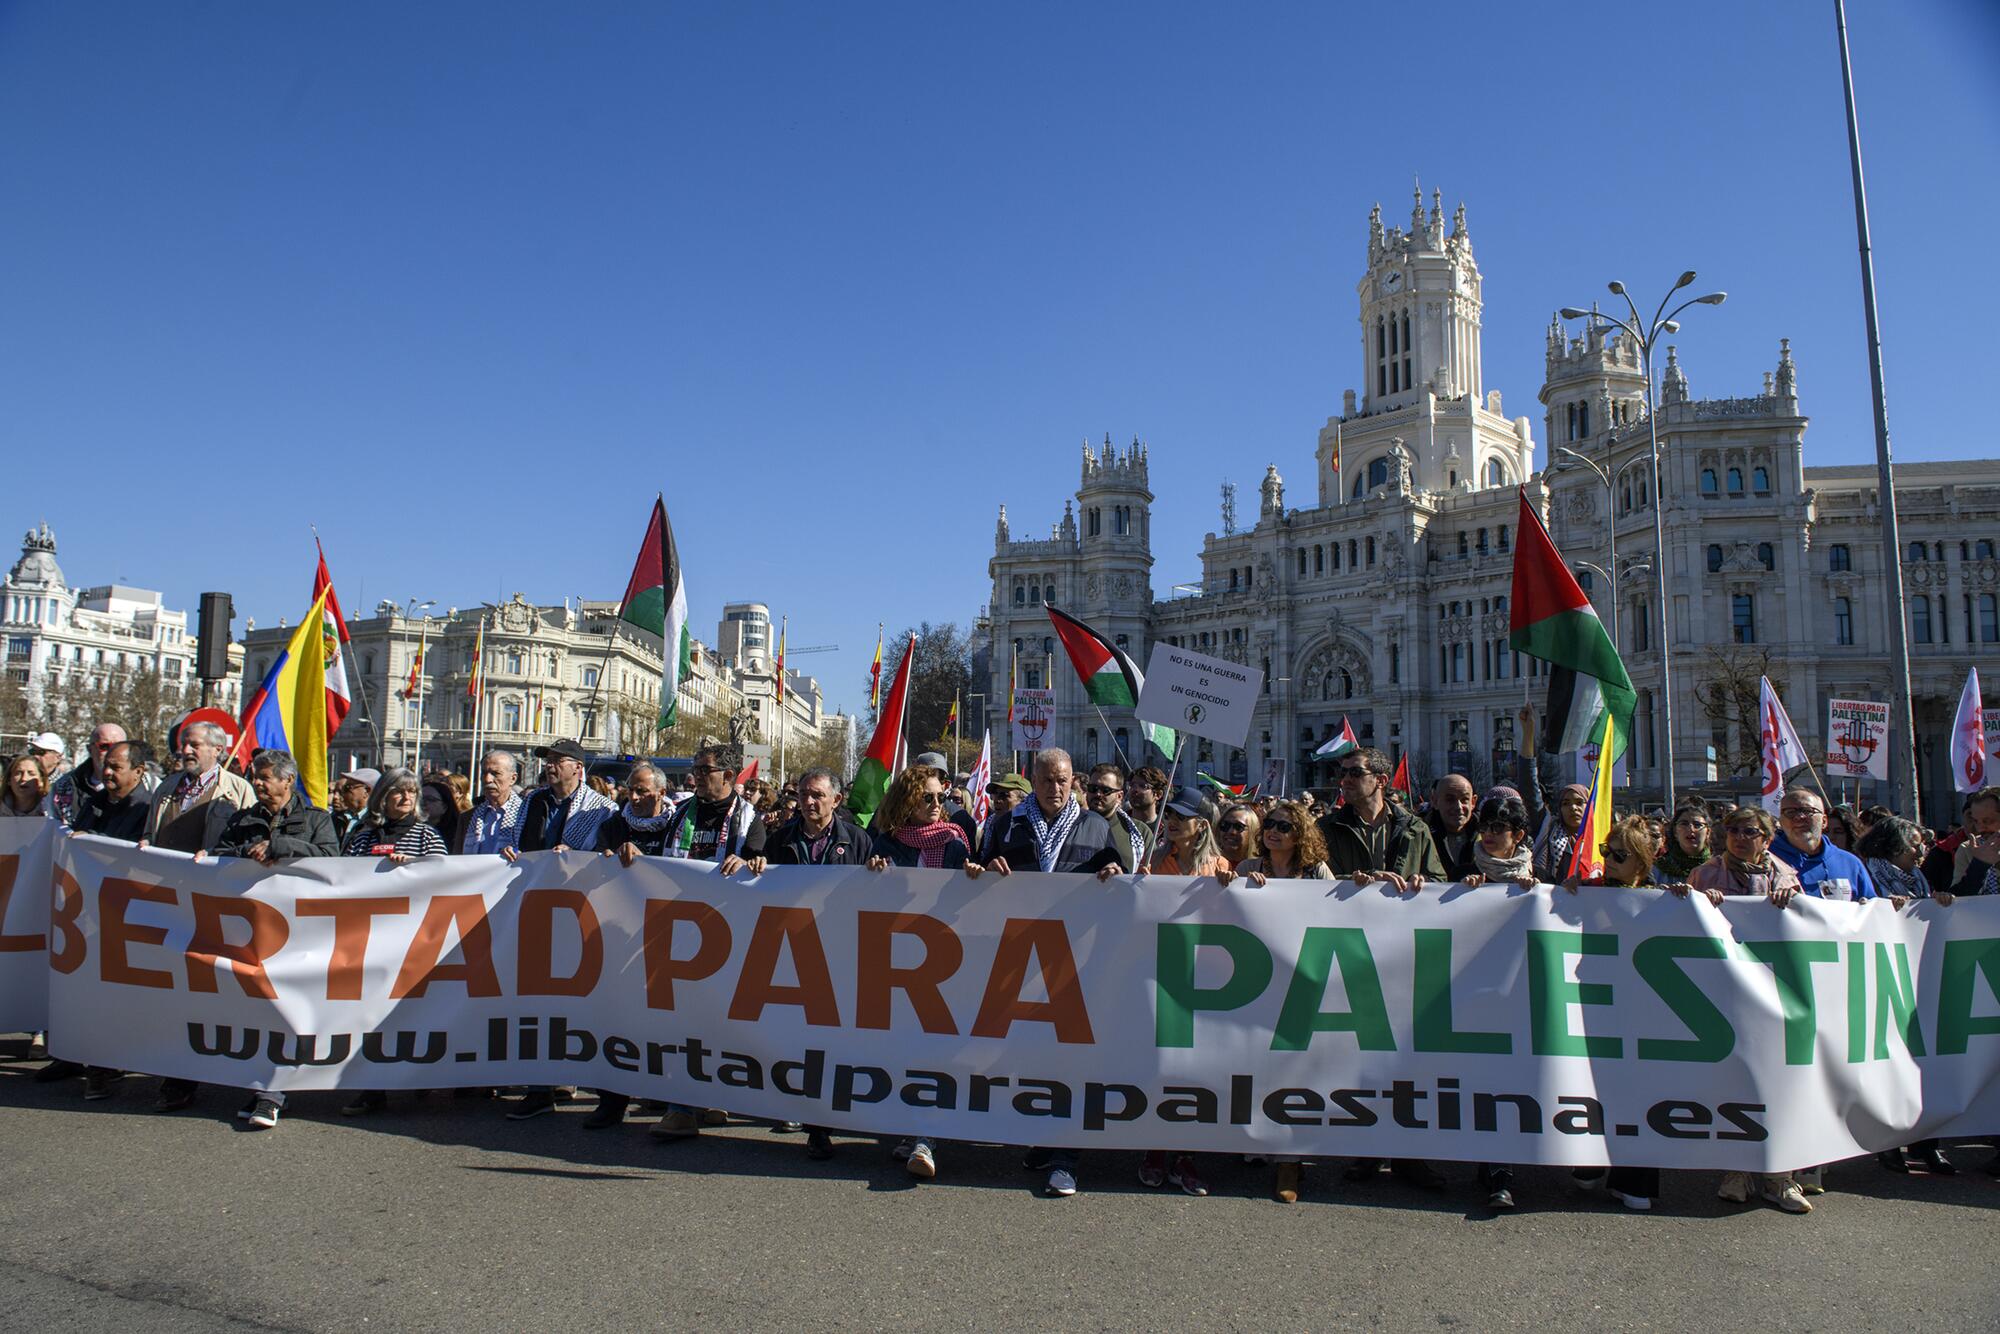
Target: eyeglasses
x: 1616, y: 854
x: 1799, y: 812
x: 934, y: 798
x: 1279, y: 827
x: 1356, y: 773
x: 1743, y: 831
x: 703, y: 770
x: 1234, y: 827
x: 1100, y: 790
x: 1696, y: 825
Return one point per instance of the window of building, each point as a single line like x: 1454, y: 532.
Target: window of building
x: 1352, y: 559
x: 1714, y: 557
x: 1760, y: 481
x: 590, y: 676
x: 1916, y: 551
x: 510, y: 716
x: 1586, y: 580
x: 1708, y: 482
x: 1232, y: 579
x: 1504, y: 537
x: 1743, y: 618
x: 1838, y: 558
x: 1642, y: 626
x: 1462, y: 544
x: 1123, y: 641
x: 1735, y: 481
x: 1496, y: 475
x: 1302, y: 562
x: 1020, y: 596
x: 368, y: 664
x: 1371, y: 550
x: 1319, y: 560
x: 1989, y: 619
x: 1395, y: 663
x: 1920, y: 620
x: 1481, y: 544
x: 1843, y: 621
x: 1983, y: 549
x: 1336, y: 556
x: 1943, y: 620
x: 1767, y: 556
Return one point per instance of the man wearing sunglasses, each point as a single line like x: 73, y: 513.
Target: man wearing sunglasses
x: 1368, y: 839
x: 718, y: 824
x: 1104, y: 793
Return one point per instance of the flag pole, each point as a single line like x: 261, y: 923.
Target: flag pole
x: 362, y: 688
x: 957, y: 732
x: 783, y: 622
x: 423, y: 642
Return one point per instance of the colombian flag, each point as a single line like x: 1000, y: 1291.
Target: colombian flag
x: 288, y: 712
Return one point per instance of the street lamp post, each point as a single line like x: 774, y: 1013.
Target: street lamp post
x: 410, y: 609
x: 1611, y: 527
x: 1663, y: 322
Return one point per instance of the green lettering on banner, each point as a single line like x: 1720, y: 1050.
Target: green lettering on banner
x: 1857, y: 1001
x: 1368, y: 1020
x: 1176, y: 997
x: 1550, y: 994
x: 1433, y: 1003
x: 1894, y: 992
x: 1656, y: 961
x: 1963, y: 961
x: 1790, y: 962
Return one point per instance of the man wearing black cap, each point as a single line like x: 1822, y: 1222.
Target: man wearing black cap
x: 564, y: 812
x: 1004, y: 793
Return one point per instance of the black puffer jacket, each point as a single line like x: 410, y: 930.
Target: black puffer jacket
x: 297, y: 831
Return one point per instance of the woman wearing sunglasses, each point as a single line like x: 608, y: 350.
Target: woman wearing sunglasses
x: 1289, y: 846
x: 1236, y: 831
x: 1743, y: 868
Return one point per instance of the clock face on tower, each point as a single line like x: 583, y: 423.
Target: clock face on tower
x: 1392, y: 282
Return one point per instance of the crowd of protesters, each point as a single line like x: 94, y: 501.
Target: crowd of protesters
x: 1105, y: 822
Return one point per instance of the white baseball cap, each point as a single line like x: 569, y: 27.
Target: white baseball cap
x: 47, y: 741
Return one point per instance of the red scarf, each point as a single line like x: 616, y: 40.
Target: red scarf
x: 930, y: 840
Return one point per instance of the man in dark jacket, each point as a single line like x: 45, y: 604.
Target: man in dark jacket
x: 280, y: 824
x: 817, y: 836
x: 565, y: 811
x: 1368, y: 838
x: 117, y: 807
x: 1450, y: 821
x: 639, y: 829
x: 1052, y: 830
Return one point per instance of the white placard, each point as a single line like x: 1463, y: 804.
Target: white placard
x: 1206, y: 696
x: 1857, y: 738
x: 1034, y: 718
x: 1274, y: 778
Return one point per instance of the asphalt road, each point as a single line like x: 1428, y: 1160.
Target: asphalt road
x: 438, y: 1213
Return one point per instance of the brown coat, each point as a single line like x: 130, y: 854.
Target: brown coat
x: 226, y: 796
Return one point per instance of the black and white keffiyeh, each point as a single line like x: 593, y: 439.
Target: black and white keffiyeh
x: 1049, y: 836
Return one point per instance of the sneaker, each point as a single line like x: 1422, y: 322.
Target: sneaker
x: 101, y: 1084
x: 1735, y: 1188
x: 537, y: 1102
x: 366, y: 1104
x: 174, y: 1095
x: 1153, y: 1170
x: 1936, y: 1163
x: 904, y: 1148
x: 819, y: 1145
x: 711, y: 1117
x: 1183, y: 1175
x: 263, y: 1114
x: 1285, y: 1183
x: 1812, y: 1180
x: 1893, y: 1160
x: 1638, y: 1204
x: 676, y: 1125
x: 922, y: 1162
x: 1500, y: 1198
x: 1062, y: 1184
x: 608, y: 1113
x: 1786, y: 1193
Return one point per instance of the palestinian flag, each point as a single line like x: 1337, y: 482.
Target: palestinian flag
x: 655, y: 601
x: 1341, y: 743
x: 1552, y: 620
x: 1220, y: 788
x: 1110, y: 677
x: 886, y: 749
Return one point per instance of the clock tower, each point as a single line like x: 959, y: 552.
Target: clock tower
x: 1420, y: 309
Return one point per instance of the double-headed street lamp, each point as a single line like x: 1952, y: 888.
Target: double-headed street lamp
x: 1611, y: 524
x: 1663, y: 322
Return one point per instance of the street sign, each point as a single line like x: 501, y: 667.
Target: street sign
x: 1209, y: 697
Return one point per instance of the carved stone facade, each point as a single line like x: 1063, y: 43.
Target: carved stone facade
x: 1386, y: 602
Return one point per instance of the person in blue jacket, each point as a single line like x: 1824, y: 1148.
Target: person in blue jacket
x: 1802, y: 845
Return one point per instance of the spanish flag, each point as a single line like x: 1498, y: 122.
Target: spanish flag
x: 288, y: 712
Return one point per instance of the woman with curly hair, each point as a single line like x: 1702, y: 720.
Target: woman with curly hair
x: 912, y: 829
x: 1289, y: 847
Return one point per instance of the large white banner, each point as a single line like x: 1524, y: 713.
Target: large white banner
x: 1484, y: 1024
x: 26, y: 851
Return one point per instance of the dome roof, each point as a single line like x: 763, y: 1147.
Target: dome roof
x: 37, y: 567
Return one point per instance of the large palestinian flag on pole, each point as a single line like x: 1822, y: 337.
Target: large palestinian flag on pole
x: 656, y: 601
x: 886, y: 749
x: 1110, y: 677
x: 1552, y: 620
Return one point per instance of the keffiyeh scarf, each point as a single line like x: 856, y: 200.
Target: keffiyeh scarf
x: 1049, y: 836
x: 930, y: 840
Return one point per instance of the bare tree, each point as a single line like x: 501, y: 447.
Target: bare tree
x: 1727, y: 686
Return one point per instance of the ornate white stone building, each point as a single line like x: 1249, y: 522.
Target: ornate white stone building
x: 1384, y: 600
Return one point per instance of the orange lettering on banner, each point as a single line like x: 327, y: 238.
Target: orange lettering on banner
x: 534, y: 968
x: 755, y: 988
x: 1021, y: 939
x: 662, y: 968
x: 475, y: 944
x: 351, y: 922
x: 114, y: 896
x: 65, y: 906
x: 875, y: 973
x: 207, y: 950
x: 10, y: 867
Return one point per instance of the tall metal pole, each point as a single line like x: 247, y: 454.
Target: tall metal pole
x: 1660, y: 586
x: 1904, y: 792
x: 423, y: 642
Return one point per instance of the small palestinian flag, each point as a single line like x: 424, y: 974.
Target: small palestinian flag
x: 1339, y: 744
x: 656, y: 601
x: 1110, y: 677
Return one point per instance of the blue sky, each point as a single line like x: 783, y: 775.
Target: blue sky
x: 464, y: 284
